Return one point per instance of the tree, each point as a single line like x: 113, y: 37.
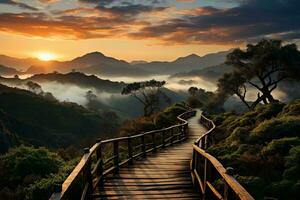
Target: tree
x: 92, y: 102
x: 262, y: 66
x: 198, y: 97
x: 34, y: 87
x: 235, y: 83
x: 148, y: 93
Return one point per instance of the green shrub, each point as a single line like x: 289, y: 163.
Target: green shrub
x: 276, y: 128
x: 280, y: 146
x: 291, y: 109
x: 282, y: 190
x: 239, y: 135
x: 293, y: 164
x: 27, y: 164
x: 268, y: 111
x: 31, y: 172
x: 263, y: 147
x: 43, y: 188
x: 255, y: 185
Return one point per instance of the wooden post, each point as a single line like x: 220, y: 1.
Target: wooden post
x: 205, y: 142
x: 225, y: 191
x: 87, y: 175
x: 205, y: 177
x: 193, y: 160
x: 143, y: 145
x: 163, y: 139
x: 129, y: 144
x: 172, y: 136
x: 116, y: 156
x: 99, y: 170
x: 153, y: 142
x: 230, y: 172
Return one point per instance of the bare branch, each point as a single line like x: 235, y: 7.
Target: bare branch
x: 138, y: 98
x: 253, y: 84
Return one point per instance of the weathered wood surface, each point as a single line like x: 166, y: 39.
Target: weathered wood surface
x: 161, y: 175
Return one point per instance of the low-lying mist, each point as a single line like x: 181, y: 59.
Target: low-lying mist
x: 127, y: 106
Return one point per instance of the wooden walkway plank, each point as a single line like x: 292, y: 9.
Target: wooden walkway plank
x: 160, y: 175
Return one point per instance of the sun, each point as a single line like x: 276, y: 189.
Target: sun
x: 46, y: 56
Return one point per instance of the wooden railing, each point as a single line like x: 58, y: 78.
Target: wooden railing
x: 208, y: 174
x: 107, y: 156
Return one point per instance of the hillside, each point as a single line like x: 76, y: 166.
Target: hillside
x: 19, y: 63
x: 79, y: 79
x: 8, y: 71
x: 263, y: 147
x: 212, y: 73
x: 31, y: 119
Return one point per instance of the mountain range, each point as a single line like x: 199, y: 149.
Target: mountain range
x: 98, y: 63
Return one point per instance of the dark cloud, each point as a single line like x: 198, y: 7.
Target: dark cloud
x: 130, y: 10
x: 21, y: 5
x: 48, y: 1
x: 99, y: 2
x: 252, y: 19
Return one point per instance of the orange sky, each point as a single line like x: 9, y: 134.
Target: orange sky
x: 141, y: 30
x: 149, y: 50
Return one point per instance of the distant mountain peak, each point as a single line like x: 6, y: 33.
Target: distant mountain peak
x: 93, y: 54
x: 193, y: 55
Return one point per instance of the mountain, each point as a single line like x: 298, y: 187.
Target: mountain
x: 28, y: 118
x: 19, y: 63
x: 98, y: 63
x: 185, y: 64
x: 8, y: 71
x: 212, y: 73
x: 91, y: 63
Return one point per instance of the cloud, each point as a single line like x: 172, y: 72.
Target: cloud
x: 48, y: 1
x: 253, y: 19
x: 21, y: 5
x: 250, y: 20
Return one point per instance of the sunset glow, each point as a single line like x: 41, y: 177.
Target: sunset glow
x: 131, y: 30
x: 46, y: 56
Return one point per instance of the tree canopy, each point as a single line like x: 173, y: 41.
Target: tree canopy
x: 261, y: 66
x: 147, y: 93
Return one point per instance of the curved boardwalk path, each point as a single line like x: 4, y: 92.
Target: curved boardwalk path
x: 161, y: 175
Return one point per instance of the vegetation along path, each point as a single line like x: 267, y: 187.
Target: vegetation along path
x: 162, y: 175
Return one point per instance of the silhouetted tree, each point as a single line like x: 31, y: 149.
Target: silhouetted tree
x: 34, y: 87
x: 198, y: 97
x: 92, y: 103
x: 147, y: 93
x: 262, y: 66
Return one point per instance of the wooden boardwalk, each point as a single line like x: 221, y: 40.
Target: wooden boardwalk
x: 161, y: 175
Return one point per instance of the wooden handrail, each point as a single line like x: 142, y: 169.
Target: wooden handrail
x: 203, y: 165
x: 83, y: 179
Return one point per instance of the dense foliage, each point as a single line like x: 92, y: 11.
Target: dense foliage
x: 162, y: 119
x: 32, y: 119
x: 31, y: 173
x: 263, y: 146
